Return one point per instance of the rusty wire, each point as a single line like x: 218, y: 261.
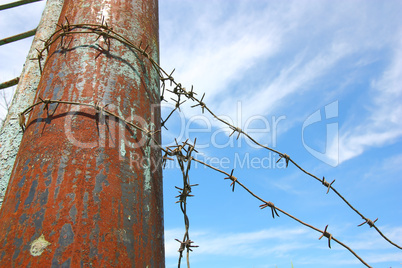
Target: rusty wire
x: 184, y: 159
x: 287, y: 159
x: 177, y: 152
x: 100, y: 110
x: 274, y: 209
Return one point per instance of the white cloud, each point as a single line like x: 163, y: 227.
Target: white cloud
x: 221, y: 48
x: 294, y: 79
x: 225, y: 53
x: 382, y: 126
x: 241, y: 244
x: 298, y: 242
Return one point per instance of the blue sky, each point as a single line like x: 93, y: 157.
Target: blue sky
x: 318, y: 80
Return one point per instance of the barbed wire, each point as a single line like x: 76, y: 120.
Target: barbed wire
x: 182, y: 158
x: 184, y: 161
x: 182, y: 152
x: 179, y: 90
x: 275, y: 209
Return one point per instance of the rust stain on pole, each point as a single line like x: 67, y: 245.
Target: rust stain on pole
x: 86, y: 190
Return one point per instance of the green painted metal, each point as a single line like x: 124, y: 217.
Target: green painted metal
x: 17, y: 37
x: 10, y: 132
x: 17, y: 3
x: 9, y: 83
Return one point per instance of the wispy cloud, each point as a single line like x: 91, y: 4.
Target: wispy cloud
x: 270, y: 63
x: 294, y: 79
x: 242, y: 243
x: 221, y: 48
x: 298, y: 242
x: 371, y: 240
x: 382, y: 125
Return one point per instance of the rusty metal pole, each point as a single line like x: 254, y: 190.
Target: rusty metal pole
x: 86, y: 189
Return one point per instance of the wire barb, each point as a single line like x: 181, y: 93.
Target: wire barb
x: 21, y: 121
x: 369, y: 222
x: 272, y: 206
x: 200, y: 103
x: 233, y: 179
x: 186, y: 245
x: 236, y: 129
x: 327, y: 235
x: 286, y: 157
x: 327, y: 184
x: 183, y: 151
x: 99, y: 111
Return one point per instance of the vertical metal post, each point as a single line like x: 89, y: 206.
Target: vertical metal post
x: 10, y: 132
x: 86, y: 189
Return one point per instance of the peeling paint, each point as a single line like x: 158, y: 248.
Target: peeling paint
x: 38, y: 218
x: 66, y: 235
x: 104, y: 12
x: 18, y: 241
x: 31, y: 194
x: 147, y: 169
x: 98, y: 207
x: 73, y: 213
x: 39, y: 245
x: 11, y: 133
x: 122, y: 148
